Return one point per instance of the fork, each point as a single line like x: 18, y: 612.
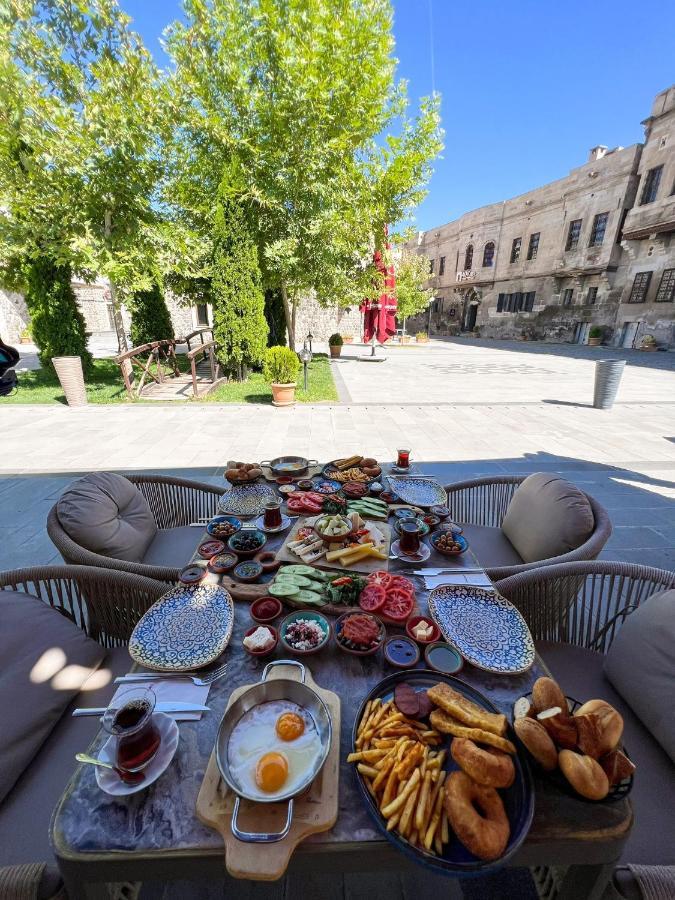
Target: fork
x: 200, y: 681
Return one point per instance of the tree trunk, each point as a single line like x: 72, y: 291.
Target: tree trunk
x: 122, y: 344
x: 290, y: 316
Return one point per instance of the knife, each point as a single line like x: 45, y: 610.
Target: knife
x: 455, y: 570
x: 164, y: 707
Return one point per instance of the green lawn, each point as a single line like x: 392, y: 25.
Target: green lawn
x: 105, y: 385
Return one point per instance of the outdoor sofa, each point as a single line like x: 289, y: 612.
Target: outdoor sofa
x: 133, y: 523
x: 63, y: 635
x: 515, y: 522
x: 607, y: 630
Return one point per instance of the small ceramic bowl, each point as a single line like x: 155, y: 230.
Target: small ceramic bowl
x: 461, y: 541
x: 333, y: 538
x: 431, y: 521
x: 441, y: 511
x: 262, y: 615
x: 443, y: 658
x: 376, y: 489
x: 415, y: 620
x: 268, y: 560
x: 222, y: 562
x: 369, y: 652
x: 287, y: 488
x: 389, y: 497
x: 355, y: 490
x: 247, y: 571
x: 327, y: 487
x: 250, y: 535
x: 405, y: 513
x: 232, y: 521
x: 284, y: 479
x: 209, y: 549
x: 401, y: 652
x: 321, y: 620
x: 192, y: 574
x: 306, y: 484
x: 267, y: 650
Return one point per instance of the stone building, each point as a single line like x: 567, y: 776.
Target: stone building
x: 580, y: 252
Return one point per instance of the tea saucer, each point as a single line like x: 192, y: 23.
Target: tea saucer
x: 285, y: 522
x: 424, y: 553
x: 110, y: 782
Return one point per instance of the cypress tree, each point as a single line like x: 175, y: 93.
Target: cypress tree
x: 57, y: 325
x: 239, y: 324
x: 276, y: 321
x: 150, y: 319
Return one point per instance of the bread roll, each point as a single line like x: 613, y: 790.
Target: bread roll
x: 617, y: 766
x: 590, y: 731
x: 561, y: 726
x: 610, y: 723
x: 537, y: 741
x: 546, y: 693
x: 585, y: 774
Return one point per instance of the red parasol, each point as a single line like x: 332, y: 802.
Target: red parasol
x: 380, y: 317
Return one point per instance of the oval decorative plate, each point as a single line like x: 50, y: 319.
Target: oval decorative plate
x: 418, y: 491
x: 187, y: 628
x: 487, y: 630
x: 247, y: 499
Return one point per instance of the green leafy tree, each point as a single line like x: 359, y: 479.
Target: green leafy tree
x: 57, y: 325
x: 276, y: 322
x: 81, y: 166
x: 302, y: 92
x: 239, y: 324
x: 150, y: 319
x: 413, y: 294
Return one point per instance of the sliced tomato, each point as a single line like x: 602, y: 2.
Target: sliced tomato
x: 398, y: 605
x: 401, y: 583
x: 372, y: 597
x: 295, y: 505
x: 380, y: 577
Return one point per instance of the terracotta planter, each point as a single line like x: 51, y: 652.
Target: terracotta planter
x: 594, y: 342
x: 335, y: 350
x: 283, y: 394
x: 71, y: 378
x: 649, y: 348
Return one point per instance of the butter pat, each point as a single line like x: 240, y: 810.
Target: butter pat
x: 423, y: 630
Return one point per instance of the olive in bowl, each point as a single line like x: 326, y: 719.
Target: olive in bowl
x: 223, y: 527
x: 247, y: 542
x: 449, y: 544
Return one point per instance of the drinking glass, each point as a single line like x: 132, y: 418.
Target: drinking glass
x: 409, y: 536
x: 272, y: 515
x: 403, y: 461
x: 129, y: 720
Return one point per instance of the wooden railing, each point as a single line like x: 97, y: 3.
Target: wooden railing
x: 201, y: 333
x: 157, y: 355
x: 207, y: 349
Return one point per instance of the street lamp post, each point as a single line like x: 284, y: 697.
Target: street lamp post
x: 305, y: 358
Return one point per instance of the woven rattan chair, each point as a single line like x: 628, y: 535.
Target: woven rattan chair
x: 174, y: 502
x: 582, y: 603
x: 105, y: 604
x: 484, y: 501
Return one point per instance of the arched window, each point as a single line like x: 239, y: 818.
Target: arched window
x: 468, y: 257
x: 488, y: 254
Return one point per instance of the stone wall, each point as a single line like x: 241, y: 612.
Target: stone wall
x: 324, y: 321
x: 14, y: 316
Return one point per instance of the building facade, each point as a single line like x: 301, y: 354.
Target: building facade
x: 596, y: 248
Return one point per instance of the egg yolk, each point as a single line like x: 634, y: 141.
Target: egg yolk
x: 271, y: 772
x: 290, y: 726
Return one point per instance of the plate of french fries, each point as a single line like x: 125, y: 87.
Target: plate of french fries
x: 403, y: 764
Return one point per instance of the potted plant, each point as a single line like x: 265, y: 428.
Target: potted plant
x: 280, y: 370
x: 422, y: 337
x: 25, y: 337
x: 595, y: 336
x: 648, y: 343
x: 335, y: 343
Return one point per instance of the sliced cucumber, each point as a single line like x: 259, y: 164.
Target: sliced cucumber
x: 311, y: 598
x: 298, y: 570
x: 283, y: 589
x: 298, y: 580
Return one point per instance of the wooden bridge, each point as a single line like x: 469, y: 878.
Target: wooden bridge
x: 151, y: 371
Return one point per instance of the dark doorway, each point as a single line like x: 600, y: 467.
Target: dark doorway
x: 470, y: 319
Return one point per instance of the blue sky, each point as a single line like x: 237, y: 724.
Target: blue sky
x: 527, y: 87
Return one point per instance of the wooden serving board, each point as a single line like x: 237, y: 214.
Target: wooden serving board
x: 366, y: 566
x: 315, y: 811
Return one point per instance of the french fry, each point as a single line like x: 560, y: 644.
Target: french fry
x: 389, y: 788
x: 413, y: 836
x: 383, y: 773
x: 406, y: 817
x: 421, y: 811
x: 400, y: 801
x: 393, y: 821
x: 384, y: 742
x: 367, y: 755
x: 423, y: 767
x: 437, y: 803
x: 367, y: 770
x: 396, y: 717
x: 371, y: 789
x: 403, y: 748
x: 438, y: 844
x: 412, y: 759
x: 445, y: 830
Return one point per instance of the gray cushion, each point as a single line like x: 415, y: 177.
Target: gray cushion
x: 641, y: 666
x: 107, y: 514
x: 652, y: 839
x: 26, y: 811
x: 31, y: 700
x: 491, y: 546
x: 547, y: 516
x: 173, y: 547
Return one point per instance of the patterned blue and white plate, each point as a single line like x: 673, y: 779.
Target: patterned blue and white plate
x: 418, y: 491
x: 187, y: 628
x: 487, y: 630
x: 247, y: 499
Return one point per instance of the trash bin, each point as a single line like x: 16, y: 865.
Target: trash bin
x: 607, y: 378
x: 71, y: 377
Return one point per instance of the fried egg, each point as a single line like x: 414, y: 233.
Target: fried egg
x: 272, y: 748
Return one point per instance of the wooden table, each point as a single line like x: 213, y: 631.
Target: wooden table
x: 155, y: 835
